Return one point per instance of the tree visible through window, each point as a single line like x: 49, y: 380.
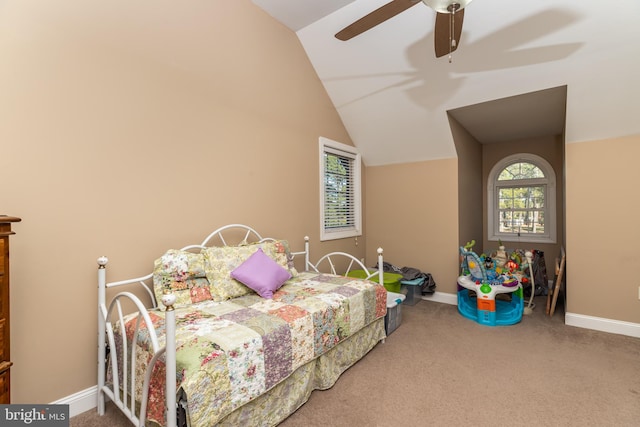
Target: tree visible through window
x: 338, y: 190
x: 521, y: 191
x: 521, y: 208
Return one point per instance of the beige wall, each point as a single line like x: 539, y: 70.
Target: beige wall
x: 412, y: 213
x: 121, y: 139
x: 470, y: 184
x: 602, y: 228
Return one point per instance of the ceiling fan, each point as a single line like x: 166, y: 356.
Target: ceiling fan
x: 448, y: 28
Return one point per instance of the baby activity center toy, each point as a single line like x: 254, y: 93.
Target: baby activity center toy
x: 488, y: 280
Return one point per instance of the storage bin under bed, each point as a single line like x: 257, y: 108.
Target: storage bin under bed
x: 393, y: 319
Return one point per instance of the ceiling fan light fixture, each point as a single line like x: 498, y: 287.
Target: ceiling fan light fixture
x: 446, y: 6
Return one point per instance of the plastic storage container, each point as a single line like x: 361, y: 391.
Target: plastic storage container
x: 412, y: 289
x: 393, y: 319
x: 391, y: 280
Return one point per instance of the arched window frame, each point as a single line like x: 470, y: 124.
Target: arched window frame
x: 493, y: 187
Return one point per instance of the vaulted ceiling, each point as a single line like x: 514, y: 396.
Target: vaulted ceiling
x: 518, y: 65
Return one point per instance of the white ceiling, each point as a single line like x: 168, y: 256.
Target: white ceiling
x: 393, y: 95
x: 297, y: 14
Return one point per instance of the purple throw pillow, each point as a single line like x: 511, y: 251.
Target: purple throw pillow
x: 261, y: 273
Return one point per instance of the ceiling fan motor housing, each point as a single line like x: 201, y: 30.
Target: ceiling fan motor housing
x: 446, y: 6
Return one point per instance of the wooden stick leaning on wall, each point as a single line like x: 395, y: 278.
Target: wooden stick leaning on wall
x: 552, y: 296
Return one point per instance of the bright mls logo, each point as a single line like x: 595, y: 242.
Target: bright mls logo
x: 34, y: 415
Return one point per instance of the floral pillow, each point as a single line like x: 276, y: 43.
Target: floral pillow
x: 221, y: 261
x: 184, y: 273
x: 278, y: 250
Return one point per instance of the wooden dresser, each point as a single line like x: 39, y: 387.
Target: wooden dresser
x: 5, y: 359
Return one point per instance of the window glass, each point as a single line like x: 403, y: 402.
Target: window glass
x: 338, y: 191
x: 520, y: 170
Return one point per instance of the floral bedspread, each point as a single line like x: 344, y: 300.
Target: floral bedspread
x: 229, y: 353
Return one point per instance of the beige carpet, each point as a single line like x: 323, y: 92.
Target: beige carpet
x: 441, y: 369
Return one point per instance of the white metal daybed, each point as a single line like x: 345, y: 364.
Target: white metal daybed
x: 222, y: 353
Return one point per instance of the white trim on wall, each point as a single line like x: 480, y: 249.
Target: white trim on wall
x: 81, y: 401
x: 570, y: 319
x: 442, y: 297
x: 602, y: 324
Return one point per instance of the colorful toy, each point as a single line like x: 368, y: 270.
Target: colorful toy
x: 501, y: 255
x: 483, y: 307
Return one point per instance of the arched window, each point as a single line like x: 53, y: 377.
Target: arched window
x: 521, y: 193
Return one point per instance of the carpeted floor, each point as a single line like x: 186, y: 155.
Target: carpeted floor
x: 441, y: 369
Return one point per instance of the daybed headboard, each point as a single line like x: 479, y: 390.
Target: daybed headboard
x: 228, y: 235
x: 231, y: 235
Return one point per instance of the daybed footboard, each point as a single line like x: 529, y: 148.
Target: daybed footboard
x: 122, y: 389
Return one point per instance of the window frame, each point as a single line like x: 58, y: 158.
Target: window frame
x: 493, y: 189
x: 327, y: 146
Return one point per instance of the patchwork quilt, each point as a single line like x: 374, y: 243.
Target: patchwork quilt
x: 230, y: 352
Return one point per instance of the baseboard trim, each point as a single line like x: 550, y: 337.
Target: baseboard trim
x: 602, y: 324
x: 571, y: 319
x: 442, y: 297
x: 81, y: 401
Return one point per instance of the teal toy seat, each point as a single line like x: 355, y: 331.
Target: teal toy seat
x: 484, y: 308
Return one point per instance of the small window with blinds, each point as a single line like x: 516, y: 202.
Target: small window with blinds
x: 340, y: 198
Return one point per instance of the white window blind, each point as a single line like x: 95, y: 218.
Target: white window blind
x: 340, y: 190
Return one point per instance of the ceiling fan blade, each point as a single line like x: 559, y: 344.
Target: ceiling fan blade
x: 444, y: 26
x: 376, y: 17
